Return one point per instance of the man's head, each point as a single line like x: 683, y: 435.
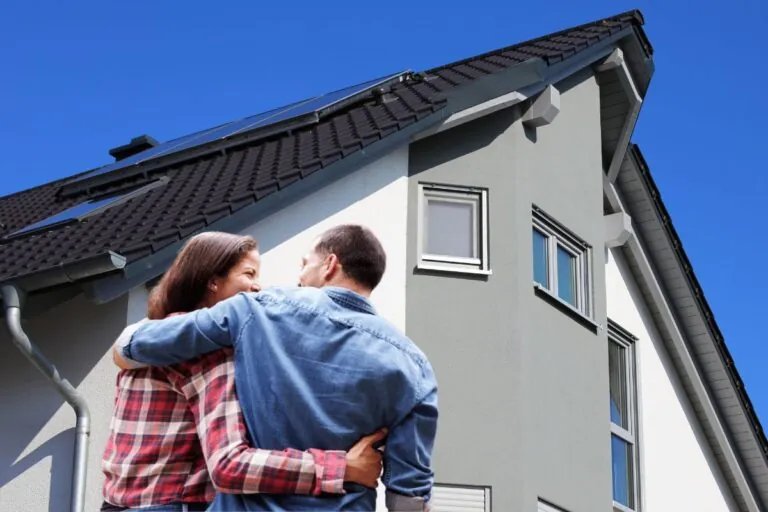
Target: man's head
x: 349, y: 256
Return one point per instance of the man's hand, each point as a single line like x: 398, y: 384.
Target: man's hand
x: 364, y: 461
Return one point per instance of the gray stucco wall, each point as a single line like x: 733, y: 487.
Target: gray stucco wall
x: 38, y: 426
x: 523, y: 386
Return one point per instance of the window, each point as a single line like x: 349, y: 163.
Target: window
x: 561, y: 263
x: 547, y: 507
x: 447, y: 498
x: 453, y: 229
x: 623, y: 409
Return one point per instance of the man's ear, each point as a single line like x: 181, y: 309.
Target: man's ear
x: 332, y: 266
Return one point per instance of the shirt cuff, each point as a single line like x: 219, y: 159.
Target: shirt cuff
x: 402, y: 503
x: 330, y: 466
x: 122, y: 345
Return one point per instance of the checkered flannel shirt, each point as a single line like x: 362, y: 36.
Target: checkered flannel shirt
x: 178, y: 435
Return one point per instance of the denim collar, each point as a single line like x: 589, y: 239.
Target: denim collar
x: 349, y: 299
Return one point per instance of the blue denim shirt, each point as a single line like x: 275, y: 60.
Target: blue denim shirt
x: 314, y: 368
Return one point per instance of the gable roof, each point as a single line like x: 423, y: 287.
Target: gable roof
x: 210, y: 187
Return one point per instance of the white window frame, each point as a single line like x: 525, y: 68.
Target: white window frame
x: 559, y: 236
x: 476, y: 196
x: 622, y: 338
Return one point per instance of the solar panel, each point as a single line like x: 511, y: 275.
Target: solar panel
x: 278, y: 115
x: 76, y: 212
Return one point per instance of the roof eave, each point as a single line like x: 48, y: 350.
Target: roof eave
x: 744, y: 484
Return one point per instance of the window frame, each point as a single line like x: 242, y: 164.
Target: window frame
x: 624, y: 339
x: 478, y: 197
x: 557, y: 236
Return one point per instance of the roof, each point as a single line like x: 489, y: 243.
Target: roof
x: 210, y: 187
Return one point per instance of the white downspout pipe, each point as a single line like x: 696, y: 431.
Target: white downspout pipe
x: 12, y: 301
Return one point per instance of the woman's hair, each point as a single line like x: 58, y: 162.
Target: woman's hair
x: 206, y: 256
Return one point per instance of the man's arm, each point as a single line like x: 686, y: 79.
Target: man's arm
x: 181, y: 338
x: 208, y: 383
x: 408, y: 474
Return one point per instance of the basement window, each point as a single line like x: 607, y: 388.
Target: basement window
x: 447, y: 497
x: 561, y: 263
x: 544, y: 506
x: 453, y: 229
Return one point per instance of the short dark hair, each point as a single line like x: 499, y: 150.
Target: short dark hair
x: 204, y: 257
x: 359, y: 251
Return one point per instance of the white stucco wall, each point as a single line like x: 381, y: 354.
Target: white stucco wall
x: 36, y: 442
x: 678, y: 469
x: 375, y: 196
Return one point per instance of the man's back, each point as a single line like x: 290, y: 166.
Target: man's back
x: 315, y: 368
x: 318, y: 368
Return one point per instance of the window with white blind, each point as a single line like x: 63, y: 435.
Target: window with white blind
x: 460, y: 498
x: 548, y: 507
x: 453, y: 229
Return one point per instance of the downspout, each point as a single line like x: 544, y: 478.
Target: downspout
x: 13, y: 299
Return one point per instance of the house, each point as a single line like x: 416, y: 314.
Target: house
x: 529, y: 255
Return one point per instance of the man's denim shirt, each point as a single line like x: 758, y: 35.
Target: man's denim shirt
x: 315, y: 368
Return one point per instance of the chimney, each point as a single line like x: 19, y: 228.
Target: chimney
x: 137, y: 145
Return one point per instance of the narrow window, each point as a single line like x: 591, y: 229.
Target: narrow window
x: 623, y: 413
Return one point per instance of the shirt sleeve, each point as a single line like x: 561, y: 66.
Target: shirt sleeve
x: 408, y: 475
x: 184, y: 337
x: 208, y: 383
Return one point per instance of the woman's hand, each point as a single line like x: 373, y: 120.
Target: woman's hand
x: 364, y: 461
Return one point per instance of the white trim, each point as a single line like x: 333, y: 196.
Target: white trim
x: 617, y: 61
x: 478, y: 198
x: 689, y: 367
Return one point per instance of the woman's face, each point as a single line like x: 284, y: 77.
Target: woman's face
x: 243, y: 277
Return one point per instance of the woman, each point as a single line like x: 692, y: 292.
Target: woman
x: 178, y: 434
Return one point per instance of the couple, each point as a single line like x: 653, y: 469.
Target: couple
x: 316, y: 372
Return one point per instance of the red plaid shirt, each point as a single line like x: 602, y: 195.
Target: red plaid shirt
x: 178, y: 435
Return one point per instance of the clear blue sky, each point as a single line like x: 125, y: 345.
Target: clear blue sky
x: 81, y: 77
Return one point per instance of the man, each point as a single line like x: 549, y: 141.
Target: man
x: 316, y: 367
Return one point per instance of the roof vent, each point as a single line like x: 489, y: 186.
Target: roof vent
x: 137, y: 145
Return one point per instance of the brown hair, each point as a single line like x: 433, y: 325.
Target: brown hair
x: 203, y: 258
x: 359, y: 251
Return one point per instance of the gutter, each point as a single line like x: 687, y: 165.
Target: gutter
x: 13, y: 299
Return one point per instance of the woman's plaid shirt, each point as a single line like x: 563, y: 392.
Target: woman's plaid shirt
x: 178, y: 435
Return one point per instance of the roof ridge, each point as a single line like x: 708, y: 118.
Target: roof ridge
x: 634, y: 15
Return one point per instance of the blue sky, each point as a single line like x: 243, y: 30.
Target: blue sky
x: 79, y: 78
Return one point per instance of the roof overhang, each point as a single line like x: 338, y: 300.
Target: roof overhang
x: 529, y: 79
x: 686, y: 324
